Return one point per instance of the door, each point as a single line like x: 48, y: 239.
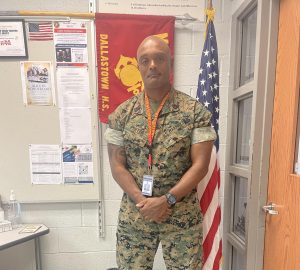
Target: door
x: 250, y: 102
x: 282, y: 236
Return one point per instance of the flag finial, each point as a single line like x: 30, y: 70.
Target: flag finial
x: 210, y: 15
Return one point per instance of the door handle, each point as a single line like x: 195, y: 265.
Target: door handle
x: 270, y: 209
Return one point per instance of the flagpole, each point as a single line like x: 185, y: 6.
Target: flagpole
x: 209, y: 4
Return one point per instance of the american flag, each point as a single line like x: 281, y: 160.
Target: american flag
x: 209, y: 186
x: 40, y: 31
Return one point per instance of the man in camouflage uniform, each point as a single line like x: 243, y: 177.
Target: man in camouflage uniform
x: 180, y: 154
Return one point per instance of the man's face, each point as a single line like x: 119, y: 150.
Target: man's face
x: 154, y: 64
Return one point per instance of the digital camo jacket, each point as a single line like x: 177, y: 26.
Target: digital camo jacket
x: 180, y: 117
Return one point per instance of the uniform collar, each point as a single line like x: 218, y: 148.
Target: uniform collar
x: 171, y: 104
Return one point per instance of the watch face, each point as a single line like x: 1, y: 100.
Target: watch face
x: 171, y: 199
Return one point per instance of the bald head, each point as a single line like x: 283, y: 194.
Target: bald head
x: 154, y: 62
x: 154, y: 41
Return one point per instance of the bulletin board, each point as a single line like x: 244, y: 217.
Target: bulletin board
x: 22, y: 125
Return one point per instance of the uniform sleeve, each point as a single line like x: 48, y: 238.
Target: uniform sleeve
x: 114, y: 132
x: 202, y: 131
x: 115, y: 120
x: 114, y: 136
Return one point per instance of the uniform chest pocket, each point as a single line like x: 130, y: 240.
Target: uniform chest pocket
x: 178, y: 141
x: 136, y: 138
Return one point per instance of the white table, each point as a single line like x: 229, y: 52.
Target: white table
x: 12, y: 238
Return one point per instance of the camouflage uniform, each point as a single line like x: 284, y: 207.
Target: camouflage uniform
x: 180, y: 235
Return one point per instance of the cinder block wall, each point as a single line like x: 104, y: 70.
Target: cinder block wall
x: 73, y: 242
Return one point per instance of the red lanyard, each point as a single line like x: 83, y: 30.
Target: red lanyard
x: 152, y: 124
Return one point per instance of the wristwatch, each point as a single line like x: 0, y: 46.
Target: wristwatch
x: 171, y: 199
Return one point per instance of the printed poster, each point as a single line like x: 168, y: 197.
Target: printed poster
x: 75, y: 125
x: 45, y: 164
x: 77, y: 164
x: 38, y: 83
x: 70, y: 40
x: 73, y: 87
x: 12, y: 39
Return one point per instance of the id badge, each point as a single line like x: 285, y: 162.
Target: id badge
x: 147, y: 185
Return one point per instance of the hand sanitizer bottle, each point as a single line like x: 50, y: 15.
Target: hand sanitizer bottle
x: 14, y: 210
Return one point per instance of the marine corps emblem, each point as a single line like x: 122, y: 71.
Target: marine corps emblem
x: 127, y: 72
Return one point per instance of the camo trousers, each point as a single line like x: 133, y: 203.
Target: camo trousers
x: 136, y: 248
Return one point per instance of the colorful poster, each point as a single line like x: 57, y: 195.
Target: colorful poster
x: 38, y: 83
x: 118, y: 37
x: 70, y: 40
x: 77, y: 164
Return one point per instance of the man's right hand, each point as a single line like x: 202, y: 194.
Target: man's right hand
x: 155, y: 209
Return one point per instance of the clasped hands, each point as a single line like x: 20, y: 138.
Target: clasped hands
x: 155, y: 209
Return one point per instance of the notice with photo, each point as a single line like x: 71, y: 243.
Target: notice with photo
x: 77, y: 164
x: 70, y: 40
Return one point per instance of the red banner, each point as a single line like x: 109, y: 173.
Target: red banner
x: 118, y: 37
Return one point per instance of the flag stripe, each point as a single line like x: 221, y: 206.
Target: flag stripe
x: 210, y: 213
x: 209, y: 190
x: 205, y: 180
x: 214, y: 253
x: 218, y: 257
x: 208, y: 242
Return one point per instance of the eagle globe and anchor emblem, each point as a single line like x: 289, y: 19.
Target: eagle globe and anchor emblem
x: 128, y: 73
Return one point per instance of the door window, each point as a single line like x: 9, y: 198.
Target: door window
x: 240, y: 207
x: 248, y: 47
x: 243, y: 131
